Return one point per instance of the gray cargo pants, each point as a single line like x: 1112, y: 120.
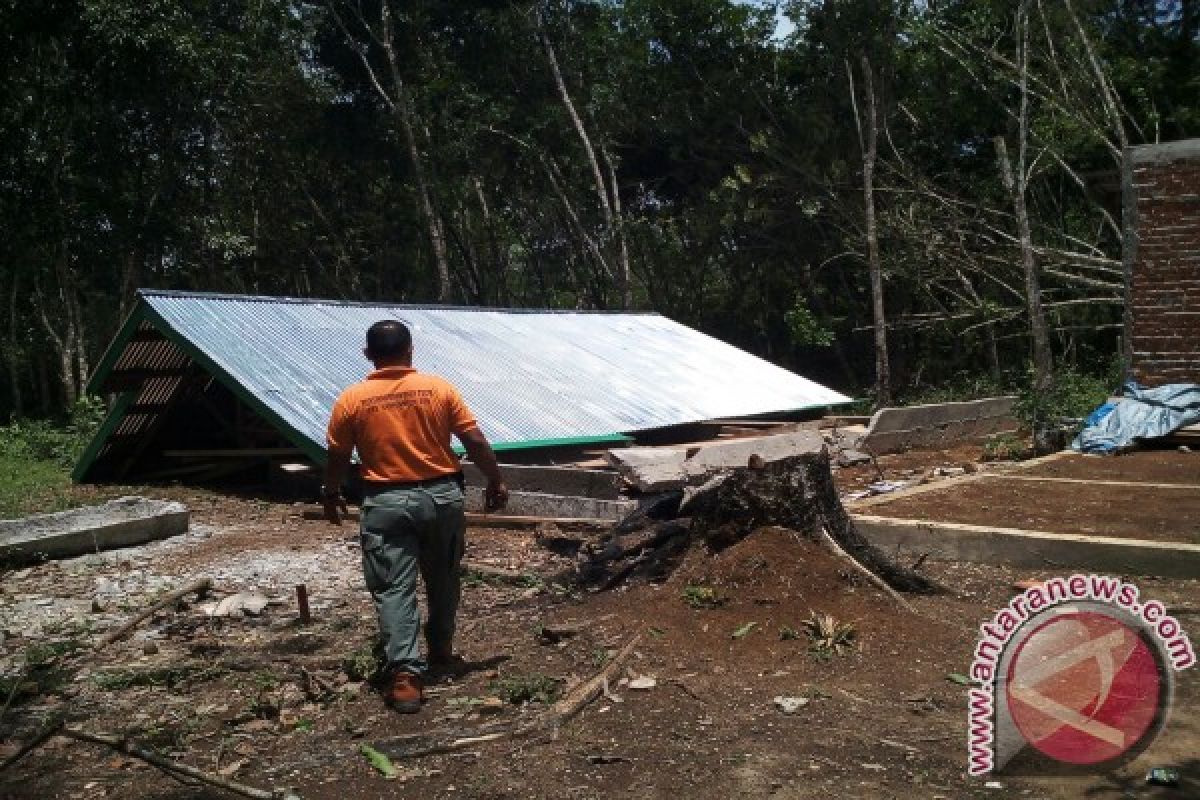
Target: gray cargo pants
x: 403, y: 530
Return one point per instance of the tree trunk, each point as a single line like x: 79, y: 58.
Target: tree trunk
x: 500, y: 260
x: 13, y: 352
x: 65, y: 343
x: 625, y: 276
x: 869, y: 144
x: 400, y: 103
x: 433, y: 224
x: 1015, y: 181
x: 606, y: 208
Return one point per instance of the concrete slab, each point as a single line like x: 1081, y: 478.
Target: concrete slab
x: 717, y: 456
x: 660, y: 469
x: 910, y: 538
x: 650, y: 469
x: 123, y: 522
x: 938, y: 424
x: 539, y: 504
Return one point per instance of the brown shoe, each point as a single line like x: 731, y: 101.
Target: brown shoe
x: 404, y: 695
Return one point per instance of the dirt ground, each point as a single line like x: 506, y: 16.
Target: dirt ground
x: 1166, y: 515
x: 1160, y: 513
x: 1143, y: 466
x: 881, y: 720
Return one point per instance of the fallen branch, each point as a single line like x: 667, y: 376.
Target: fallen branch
x: 415, y: 745
x: 175, y: 768
x: 38, y: 739
x: 874, y: 579
x: 199, y: 587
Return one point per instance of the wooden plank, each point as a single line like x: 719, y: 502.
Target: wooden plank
x: 243, y: 452
x: 128, y: 379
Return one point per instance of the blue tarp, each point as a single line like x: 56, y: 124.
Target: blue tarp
x: 1141, y: 414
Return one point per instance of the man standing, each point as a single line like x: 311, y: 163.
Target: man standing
x: 401, y: 421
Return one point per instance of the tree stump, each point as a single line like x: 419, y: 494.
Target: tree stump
x: 797, y: 493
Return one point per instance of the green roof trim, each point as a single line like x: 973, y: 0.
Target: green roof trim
x: 111, y: 420
x: 609, y: 438
x: 104, y: 368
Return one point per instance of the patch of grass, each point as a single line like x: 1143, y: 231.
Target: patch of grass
x: 43, y: 672
x: 1006, y: 447
x: 789, y: 634
x: 363, y: 663
x: 28, y: 486
x: 701, y: 597
x: 36, y: 457
x: 829, y: 637
x: 475, y: 578
x: 532, y: 687
x: 600, y: 657
x: 170, y: 677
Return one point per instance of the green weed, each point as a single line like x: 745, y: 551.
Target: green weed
x: 533, y: 687
x: 700, y: 597
x: 829, y: 637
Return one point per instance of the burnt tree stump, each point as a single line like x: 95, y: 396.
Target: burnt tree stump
x: 797, y: 493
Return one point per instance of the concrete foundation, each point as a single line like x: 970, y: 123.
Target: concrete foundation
x: 596, y: 483
x: 908, y: 539
x: 124, y: 522
x: 538, y: 504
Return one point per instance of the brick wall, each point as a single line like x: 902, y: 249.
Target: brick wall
x: 1163, y: 259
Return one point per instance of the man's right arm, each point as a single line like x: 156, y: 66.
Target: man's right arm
x: 339, y: 444
x: 483, y: 456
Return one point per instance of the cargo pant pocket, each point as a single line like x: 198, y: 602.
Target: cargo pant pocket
x: 388, y: 538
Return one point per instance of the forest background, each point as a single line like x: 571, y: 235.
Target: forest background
x: 905, y: 200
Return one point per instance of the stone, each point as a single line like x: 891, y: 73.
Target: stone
x: 848, y: 458
x: 790, y: 705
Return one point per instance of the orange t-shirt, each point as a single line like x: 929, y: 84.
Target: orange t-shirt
x: 400, y: 420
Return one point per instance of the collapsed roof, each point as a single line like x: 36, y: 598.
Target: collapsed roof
x: 260, y: 375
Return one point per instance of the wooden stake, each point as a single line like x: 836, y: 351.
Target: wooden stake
x: 302, y: 602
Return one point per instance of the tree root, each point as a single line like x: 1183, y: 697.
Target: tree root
x: 875, y: 580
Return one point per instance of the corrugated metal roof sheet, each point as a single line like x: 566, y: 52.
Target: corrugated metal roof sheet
x: 527, y: 375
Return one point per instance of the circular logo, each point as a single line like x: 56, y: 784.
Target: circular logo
x: 1085, y: 687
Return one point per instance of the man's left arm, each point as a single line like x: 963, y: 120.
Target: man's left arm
x: 464, y: 425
